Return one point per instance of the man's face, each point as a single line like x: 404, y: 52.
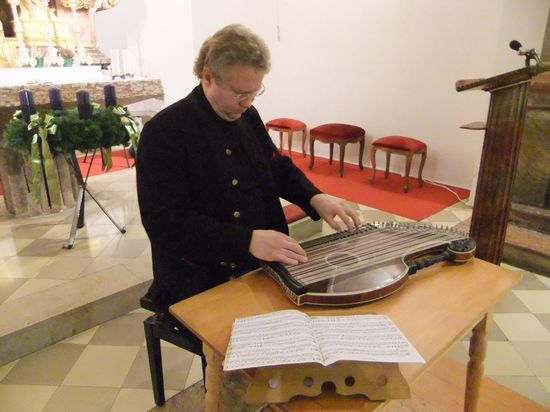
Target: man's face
x: 233, y: 95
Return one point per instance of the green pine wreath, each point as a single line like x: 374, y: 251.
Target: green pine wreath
x: 104, y: 130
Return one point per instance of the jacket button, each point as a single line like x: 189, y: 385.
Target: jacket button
x: 233, y: 266
x: 235, y: 182
x: 228, y: 152
x: 223, y: 264
x: 236, y: 214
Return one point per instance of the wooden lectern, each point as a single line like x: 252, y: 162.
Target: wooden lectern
x: 499, y: 156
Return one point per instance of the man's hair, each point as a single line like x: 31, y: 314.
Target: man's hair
x: 231, y: 45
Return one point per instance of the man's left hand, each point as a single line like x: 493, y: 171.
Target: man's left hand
x: 328, y: 208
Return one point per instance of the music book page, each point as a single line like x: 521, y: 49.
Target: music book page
x: 290, y: 336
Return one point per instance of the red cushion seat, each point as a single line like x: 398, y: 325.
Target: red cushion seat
x: 286, y: 123
x: 339, y: 133
x: 293, y: 213
x: 400, y: 143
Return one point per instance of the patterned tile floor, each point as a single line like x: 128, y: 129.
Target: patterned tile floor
x: 105, y: 368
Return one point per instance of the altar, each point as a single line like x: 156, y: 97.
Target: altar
x: 52, y: 44
x: 139, y: 93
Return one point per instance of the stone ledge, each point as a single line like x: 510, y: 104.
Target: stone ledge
x: 28, y: 324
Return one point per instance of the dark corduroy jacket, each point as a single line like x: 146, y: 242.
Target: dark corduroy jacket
x: 186, y: 202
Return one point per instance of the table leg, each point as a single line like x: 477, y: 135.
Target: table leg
x: 474, y: 374
x: 213, y: 379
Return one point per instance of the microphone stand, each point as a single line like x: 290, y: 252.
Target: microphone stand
x: 85, y: 112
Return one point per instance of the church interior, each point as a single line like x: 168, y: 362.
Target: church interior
x: 72, y: 272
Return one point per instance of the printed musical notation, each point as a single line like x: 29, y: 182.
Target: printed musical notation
x: 290, y: 336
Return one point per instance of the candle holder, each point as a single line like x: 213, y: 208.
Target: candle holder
x: 26, y: 101
x: 83, y: 104
x: 109, y: 92
x: 56, y: 102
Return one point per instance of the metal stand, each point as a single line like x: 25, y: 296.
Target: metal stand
x: 78, y: 219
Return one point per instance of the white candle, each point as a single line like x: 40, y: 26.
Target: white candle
x: 115, y: 62
x: 126, y: 63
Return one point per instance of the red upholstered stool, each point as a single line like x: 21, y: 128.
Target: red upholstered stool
x: 339, y: 133
x: 402, y: 145
x: 287, y: 125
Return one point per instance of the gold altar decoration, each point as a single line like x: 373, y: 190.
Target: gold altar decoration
x: 87, y: 4
x: 33, y: 32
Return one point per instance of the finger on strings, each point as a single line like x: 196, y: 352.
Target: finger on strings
x: 281, y: 257
x: 300, y: 258
x: 333, y: 224
x: 348, y: 221
x: 351, y: 219
x: 293, y: 246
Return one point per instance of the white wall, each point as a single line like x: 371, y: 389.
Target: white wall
x: 387, y: 66
x: 159, y: 35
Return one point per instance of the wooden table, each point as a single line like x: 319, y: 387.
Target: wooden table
x: 434, y: 309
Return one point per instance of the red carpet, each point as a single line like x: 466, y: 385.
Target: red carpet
x: 119, y: 163
x: 386, y: 195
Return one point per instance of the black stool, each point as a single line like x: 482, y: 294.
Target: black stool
x: 163, y: 326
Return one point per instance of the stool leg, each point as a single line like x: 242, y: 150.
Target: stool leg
x: 311, y: 152
x: 290, y: 143
x: 331, y: 152
x: 280, y: 141
x: 155, y: 362
x: 304, y: 138
x: 361, y: 150
x: 342, y: 154
x: 407, y: 171
x: 373, y: 164
x: 422, y: 162
x: 388, y: 159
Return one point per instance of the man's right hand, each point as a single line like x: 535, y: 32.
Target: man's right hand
x: 273, y: 246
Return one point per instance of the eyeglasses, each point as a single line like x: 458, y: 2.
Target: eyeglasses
x: 241, y: 97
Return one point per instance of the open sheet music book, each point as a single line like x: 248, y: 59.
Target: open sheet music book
x: 290, y: 336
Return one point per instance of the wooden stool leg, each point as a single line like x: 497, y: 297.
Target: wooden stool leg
x: 407, y: 171
x: 373, y: 163
x: 342, y: 154
x: 304, y: 138
x: 422, y: 162
x: 155, y: 361
x: 361, y: 150
x: 388, y: 159
x: 290, y: 143
x: 331, y: 151
x: 311, y: 152
x: 280, y: 141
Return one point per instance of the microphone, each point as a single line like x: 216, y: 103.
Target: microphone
x: 529, y: 54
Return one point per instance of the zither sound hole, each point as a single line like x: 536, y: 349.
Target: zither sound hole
x: 341, y: 259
